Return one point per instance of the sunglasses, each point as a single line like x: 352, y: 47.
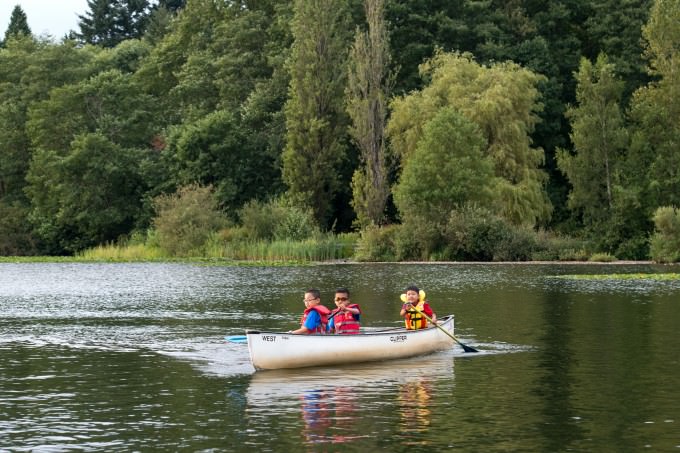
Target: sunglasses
x: 341, y: 299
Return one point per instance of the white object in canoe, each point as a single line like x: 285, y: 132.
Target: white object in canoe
x: 275, y: 350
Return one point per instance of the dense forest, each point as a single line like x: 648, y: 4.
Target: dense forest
x: 420, y: 129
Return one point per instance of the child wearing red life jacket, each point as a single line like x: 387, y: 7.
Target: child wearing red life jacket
x: 413, y: 308
x: 346, y: 318
x: 315, y: 317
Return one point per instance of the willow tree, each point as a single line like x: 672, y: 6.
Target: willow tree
x: 367, y: 92
x: 316, y: 121
x: 502, y: 100
x: 599, y: 137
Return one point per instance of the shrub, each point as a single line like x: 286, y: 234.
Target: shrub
x: 602, y: 258
x: 665, y: 242
x: 476, y: 234
x: 186, y: 220
x: 376, y: 243
x: 417, y: 239
x: 277, y: 219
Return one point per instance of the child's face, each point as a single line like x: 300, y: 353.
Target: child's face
x: 341, y: 299
x: 310, y: 300
x: 412, y: 296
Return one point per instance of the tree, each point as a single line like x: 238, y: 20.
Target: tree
x: 447, y: 170
x: 502, y: 100
x: 655, y: 109
x: 367, y: 91
x: 91, y: 196
x: 315, y: 117
x: 109, y: 22
x: 18, y: 24
x: 599, y: 137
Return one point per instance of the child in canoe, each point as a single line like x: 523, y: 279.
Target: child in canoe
x: 414, y: 307
x: 315, y: 317
x: 346, y: 318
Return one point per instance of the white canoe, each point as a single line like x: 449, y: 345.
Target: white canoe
x: 276, y: 350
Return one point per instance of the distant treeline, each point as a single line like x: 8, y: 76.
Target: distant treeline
x: 431, y: 130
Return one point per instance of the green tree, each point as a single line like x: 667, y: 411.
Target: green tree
x: 18, y: 24
x: 655, y: 153
x: 367, y: 91
x: 502, y: 100
x: 89, y: 197
x: 315, y: 117
x: 599, y: 137
x: 109, y: 22
x: 448, y: 169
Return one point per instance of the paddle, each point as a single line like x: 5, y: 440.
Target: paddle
x: 465, y: 347
x: 237, y: 339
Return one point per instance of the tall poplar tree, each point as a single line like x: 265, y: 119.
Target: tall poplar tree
x: 368, y: 90
x: 316, y: 122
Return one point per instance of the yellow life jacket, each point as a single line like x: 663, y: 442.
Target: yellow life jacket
x: 414, y: 320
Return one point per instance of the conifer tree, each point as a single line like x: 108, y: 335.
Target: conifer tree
x: 18, y: 24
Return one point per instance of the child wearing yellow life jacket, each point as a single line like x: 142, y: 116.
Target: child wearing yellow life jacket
x: 414, y: 304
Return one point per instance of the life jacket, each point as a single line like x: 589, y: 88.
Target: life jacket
x: 323, y: 312
x: 346, y: 323
x: 415, y: 320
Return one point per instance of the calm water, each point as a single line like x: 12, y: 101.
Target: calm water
x: 132, y: 357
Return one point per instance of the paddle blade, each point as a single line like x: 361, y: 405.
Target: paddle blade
x: 237, y: 339
x: 467, y: 348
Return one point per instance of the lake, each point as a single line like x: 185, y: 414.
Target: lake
x: 132, y: 357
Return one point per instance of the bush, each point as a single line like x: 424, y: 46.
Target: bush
x: 186, y: 220
x: 665, y: 242
x: 476, y: 234
x: 417, y: 239
x: 277, y: 219
x: 377, y: 244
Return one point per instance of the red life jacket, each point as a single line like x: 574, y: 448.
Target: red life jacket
x: 346, y: 323
x: 323, y: 312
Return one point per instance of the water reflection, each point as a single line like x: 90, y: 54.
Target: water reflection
x: 328, y: 399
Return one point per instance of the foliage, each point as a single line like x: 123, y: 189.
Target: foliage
x: 107, y: 178
x: 501, y: 100
x: 599, y: 138
x: 367, y: 93
x: 665, y: 242
x: 186, y: 220
x: 315, y: 118
x: 107, y: 23
x: 18, y: 25
x: 476, y: 234
x: 15, y: 233
x: 447, y: 169
x: 277, y: 220
x: 377, y: 243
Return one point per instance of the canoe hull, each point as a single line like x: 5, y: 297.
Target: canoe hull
x: 276, y: 350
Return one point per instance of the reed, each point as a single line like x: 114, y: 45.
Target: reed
x: 122, y: 252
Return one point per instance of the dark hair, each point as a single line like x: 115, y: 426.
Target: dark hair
x: 412, y: 288
x: 343, y: 290
x: 314, y: 292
